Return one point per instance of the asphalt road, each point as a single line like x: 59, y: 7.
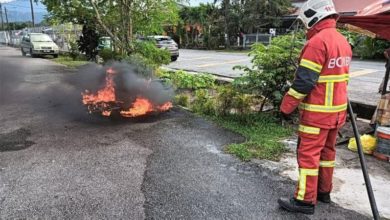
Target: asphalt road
x: 57, y: 162
x: 366, y: 76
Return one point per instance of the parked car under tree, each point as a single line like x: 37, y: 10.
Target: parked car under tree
x: 38, y: 44
x: 164, y: 42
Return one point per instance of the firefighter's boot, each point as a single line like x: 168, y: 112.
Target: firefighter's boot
x: 323, y: 197
x: 294, y: 205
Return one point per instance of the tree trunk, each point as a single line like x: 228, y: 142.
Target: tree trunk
x: 99, y: 20
x: 226, y: 29
x: 263, y: 103
x: 193, y: 36
x: 127, y: 24
x: 187, y: 39
x: 130, y: 49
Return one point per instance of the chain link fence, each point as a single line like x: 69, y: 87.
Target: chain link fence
x: 62, y: 35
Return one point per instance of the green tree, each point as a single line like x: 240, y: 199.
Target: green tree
x: 223, y: 20
x: 270, y: 16
x: 195, y: 20
x: 16, y: 25
x: 120, y: 20
x: 89, y: 41
x: 272, y: 68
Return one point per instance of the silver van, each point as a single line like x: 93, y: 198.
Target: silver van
x: 37, y: 44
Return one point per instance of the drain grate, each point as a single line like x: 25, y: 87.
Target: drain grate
x: 15, y: 140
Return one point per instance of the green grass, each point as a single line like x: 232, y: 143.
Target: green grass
x: 69, y: 62
x: 262, y: 132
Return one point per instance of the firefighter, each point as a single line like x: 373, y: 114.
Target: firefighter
x: 319, y: 91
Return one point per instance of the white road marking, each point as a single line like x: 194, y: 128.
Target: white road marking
x: 197, y: 58
x: 362, y: 72
x: 222, y: 63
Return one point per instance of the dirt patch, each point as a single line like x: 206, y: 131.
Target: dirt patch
x: 15, y: 140
x: 349, y: 190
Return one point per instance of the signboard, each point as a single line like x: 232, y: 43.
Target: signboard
x: 272, y: 31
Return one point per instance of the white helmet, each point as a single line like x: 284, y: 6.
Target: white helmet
x: 314, y: 11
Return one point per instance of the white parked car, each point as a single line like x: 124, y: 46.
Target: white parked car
x: 37, y: 44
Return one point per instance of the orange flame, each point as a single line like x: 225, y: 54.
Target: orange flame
x: 106, y: 96
x: 165, y: 107
x: 142, y: 106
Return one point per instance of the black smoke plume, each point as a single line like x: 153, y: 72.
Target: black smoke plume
x: 129, y: 83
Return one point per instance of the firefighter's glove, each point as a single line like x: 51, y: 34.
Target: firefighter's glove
x: 286, y: 117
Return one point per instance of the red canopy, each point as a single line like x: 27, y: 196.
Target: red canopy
x: 375, y: 18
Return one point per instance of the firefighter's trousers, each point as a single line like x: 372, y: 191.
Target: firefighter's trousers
x: 316, y: 160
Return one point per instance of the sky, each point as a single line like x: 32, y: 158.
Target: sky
x: 19, y: 10
x: 197, y: 2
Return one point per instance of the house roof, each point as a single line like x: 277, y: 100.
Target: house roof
x: 343, y: 6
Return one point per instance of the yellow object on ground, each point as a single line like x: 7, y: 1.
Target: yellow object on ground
x: 368, y: 144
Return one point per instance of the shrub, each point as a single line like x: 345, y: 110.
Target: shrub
x: 370, y: 48
x: 364, y: 46
x: 141, y: 64
x: 242, y: 103
x: 74, y: 50
x: 272, y: 69
x: 183, y: 80
x: 203, y: 80
x: 203, y: 102
x: 164, y: 74
x: 153, y: 56
x: 108, y: 54
x: 182, y: 99
x: 229, y: 98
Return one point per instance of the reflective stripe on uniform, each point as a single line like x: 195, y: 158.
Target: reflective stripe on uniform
x: 333, y: 78
x: 329, y: 94
x: 330, y: 81
x: 323, y: 108
x: 296, y: 94
x: 303, y: 173
x: 327, y: 163
x: 308, y: 129
x: 311, y: 65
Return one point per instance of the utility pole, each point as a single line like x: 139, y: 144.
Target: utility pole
x: 1, y: 15
x: 226, y: 20
x: 6, y: 17
x: 32, y: 13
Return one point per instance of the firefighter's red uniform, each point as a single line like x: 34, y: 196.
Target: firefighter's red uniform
x: 319, y: 91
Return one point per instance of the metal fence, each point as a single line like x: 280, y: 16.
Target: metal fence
x: 250, y: 39
x: 61, y: 35
x: 65, y: 33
